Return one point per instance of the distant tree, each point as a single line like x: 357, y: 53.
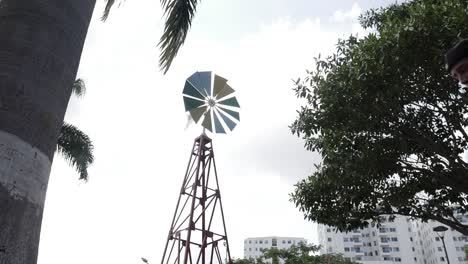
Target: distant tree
x: 73, y: 144
x: 243, y: 261
x: 302, y: 254
x: 388, y: 120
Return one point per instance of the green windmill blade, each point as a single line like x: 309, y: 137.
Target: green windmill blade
x: 207, y: 121
x: 190, y: 90
x: 232, y: 102
x: 227, y: 90
x: 234, y: 114
x: 218, y: 85
x: 191, y: 103
x: 197, y: 113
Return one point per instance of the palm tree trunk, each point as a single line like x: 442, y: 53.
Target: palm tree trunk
x: 40, y: 49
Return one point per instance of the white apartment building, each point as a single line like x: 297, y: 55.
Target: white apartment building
x: 395, y: 240
x: 253, y: 246
x: 429, y: 248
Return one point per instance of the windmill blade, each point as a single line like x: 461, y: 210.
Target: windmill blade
x: 190, y: 90
x: 202, y: 82
x: 191, y: 103
x: 218, y: 126
x: 234, y: 114
x: 207, y: 121
x: 218, y: 84
x: 232, y: 102
x: 197, y: 113
x: 227, y: 90
x: 230, y: 124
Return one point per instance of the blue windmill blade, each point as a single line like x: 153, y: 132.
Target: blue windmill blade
x: 202, y: 82
x: 228, y: 121
x: 218, y: 126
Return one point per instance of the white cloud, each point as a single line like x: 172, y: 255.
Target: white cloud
x: 341, y: 16
x: 135, y: 117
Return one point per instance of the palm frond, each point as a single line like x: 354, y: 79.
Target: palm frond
x: 179, y: 15
x: 107, y: 9
x: 79, y: 88
x: 76, y: 147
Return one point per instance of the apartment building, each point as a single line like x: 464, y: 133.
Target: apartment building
x: 398, y: 240
x: 253, y: 246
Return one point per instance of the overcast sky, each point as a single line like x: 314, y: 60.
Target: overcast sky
x: 135, y: 117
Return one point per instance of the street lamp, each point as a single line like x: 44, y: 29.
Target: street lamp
x: 440, y: 231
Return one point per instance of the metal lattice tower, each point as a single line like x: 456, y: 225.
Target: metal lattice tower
x: 198, y: 230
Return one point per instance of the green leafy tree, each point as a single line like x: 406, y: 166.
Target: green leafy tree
x: 243, y: 261
x: 40, y: 47
x: 388, y: 121
x: 302, y: 254
x: 73, y: 144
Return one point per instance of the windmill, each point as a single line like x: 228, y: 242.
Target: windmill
x: 198, y: 230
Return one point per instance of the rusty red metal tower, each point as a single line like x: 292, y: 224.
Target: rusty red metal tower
x: 198, y: 230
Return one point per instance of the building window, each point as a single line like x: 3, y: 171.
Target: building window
x: 397, y: 259
x: 457, y: 248
x: 329, y: 240
x: 442, y: 259
x: 386, y: 249
x: 412, y: 248
x: 373, y: 233
x: 439, y: 249
x: 394, y: 239
x: 289, y: 241
x: 256, y: 241
x: 261, y: 241
x: 375, y: 243
x: 345, y: 239
x: 392, y: 229
x: 370, y: 254
x: 250, y: 249
x: 396, y: 249
x: 411, y: 239
x: 284, y: 241
x: 250, y: 242
x: 328, y: 230
x: 415, y: 259
x: 266, y: 241
x: 274, y: 242
x: 346, y: 249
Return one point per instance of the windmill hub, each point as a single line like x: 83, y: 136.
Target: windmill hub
x: 211, y: 102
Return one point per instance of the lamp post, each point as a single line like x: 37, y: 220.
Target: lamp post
x: 440, y: 231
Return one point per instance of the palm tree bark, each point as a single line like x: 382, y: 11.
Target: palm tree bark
x: 40, y: 49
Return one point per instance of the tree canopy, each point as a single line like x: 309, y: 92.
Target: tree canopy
x: 388, y: 120
x: 296, y: 254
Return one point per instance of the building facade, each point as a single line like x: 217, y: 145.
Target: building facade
x: 253, y: 246
x: 398, y: 240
